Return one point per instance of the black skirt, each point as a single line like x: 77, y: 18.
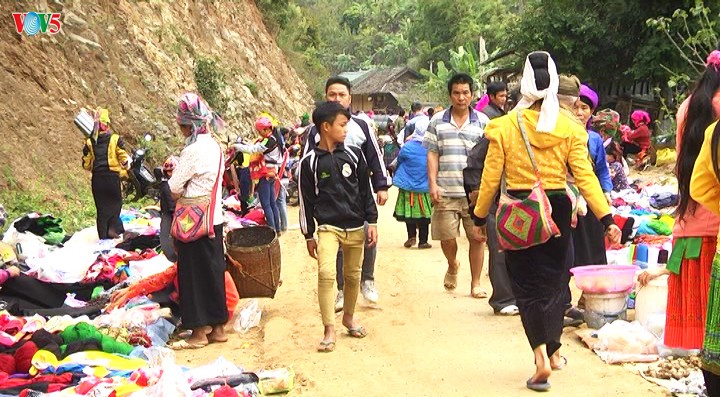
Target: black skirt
x: 539, y: 278
x: 589, y: 241
x: 201, y: 281
x: 108, y: 203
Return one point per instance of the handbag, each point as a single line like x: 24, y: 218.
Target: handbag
x: 524, y: 223
x: 194, y: 216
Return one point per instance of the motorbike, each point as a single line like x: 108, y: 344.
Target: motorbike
x: 141, y: 182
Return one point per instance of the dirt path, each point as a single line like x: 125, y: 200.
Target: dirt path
x: 422, y: 340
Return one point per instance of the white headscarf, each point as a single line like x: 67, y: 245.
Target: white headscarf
x: 550, y: 106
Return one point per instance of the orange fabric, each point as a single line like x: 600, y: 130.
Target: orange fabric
x: 232, y: 297
x: 688, y: 300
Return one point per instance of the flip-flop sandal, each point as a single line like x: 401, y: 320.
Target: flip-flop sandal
x: 478, y: 293
x: 538, y: 386
x: 326, y: 347
x: 358, y: 332
x: 562, y: 364
x: 450, y: 282
x: 185, y: 345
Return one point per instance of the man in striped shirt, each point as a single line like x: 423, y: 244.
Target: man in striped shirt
x: 449, y: 137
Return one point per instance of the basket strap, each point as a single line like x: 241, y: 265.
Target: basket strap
x: 234, y: 262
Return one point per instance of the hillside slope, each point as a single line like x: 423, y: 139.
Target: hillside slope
x: 134, y: 58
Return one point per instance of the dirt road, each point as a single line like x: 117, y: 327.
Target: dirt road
x: 423, y: 341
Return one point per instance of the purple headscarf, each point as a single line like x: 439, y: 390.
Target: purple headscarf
x: 590, y: 97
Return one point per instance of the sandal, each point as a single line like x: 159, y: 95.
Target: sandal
x: 478, y: 293
x: 450, y: 282
x: 326, y: 347
x: 357, y: 332
x: 562, y: 365
x: 538, y: 386
x: 185, y: 345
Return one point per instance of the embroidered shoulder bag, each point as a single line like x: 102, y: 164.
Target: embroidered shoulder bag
x: 194, y: 216
x: 524, y: 223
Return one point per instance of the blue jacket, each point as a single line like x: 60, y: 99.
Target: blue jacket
x: 597, y: 153
x: 411, y: 174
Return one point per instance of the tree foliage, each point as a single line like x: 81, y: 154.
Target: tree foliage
x: 599, y: 40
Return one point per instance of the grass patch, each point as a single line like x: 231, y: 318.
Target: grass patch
x: 210, y: 80
x: 70, y: 201
x: 252, y: 87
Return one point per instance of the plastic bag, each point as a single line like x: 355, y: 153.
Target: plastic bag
x: 665, y: 156
x: 277, y: 381
x: 624, y: 337
x: 249, y: 316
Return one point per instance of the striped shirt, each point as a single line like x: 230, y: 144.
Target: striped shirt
x: 453, y: 143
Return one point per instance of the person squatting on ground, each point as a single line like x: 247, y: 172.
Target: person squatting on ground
x: 638, y: 140
x: 200, y: 263
x: 167, y: 210
x: 264, y: 168
x: 451, y: 134
x: 335, y: 191
x: 539, y: 273
x: 413, y: 205
x: 359, y: 135
x: 108, y: 161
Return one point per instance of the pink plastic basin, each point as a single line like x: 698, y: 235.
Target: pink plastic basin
x: 601, y: 279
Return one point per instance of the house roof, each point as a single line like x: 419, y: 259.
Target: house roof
x: 381, y: 80
x: 353, y: 77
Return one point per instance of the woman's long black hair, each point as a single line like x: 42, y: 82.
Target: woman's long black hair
x: 699, y: 116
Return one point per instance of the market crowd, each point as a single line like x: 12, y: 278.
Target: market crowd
x: 526, y: 172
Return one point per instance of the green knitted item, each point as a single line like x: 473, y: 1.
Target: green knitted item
x: 85, y: 331
x: 660, y: 227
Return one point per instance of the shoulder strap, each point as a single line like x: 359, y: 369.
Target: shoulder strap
x: 527, y: 144
x: 521, y: 124
x: 213, y: 195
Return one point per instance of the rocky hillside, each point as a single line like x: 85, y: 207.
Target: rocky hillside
x: 134, y: 58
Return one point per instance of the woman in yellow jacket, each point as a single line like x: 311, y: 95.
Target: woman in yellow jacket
x: 705, y: 189
x: 539, y: 274
x: 105, y: 157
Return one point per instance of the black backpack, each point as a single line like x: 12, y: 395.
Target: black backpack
x: 472, y: 173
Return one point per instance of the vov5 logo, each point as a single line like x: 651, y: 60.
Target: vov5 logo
x: 33, y: 23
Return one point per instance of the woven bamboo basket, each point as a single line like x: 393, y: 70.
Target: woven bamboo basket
x: 254, y: 261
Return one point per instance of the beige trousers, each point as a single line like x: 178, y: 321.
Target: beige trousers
x: 352, y: 242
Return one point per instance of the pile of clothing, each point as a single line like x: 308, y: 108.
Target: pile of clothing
x: 60, y: 337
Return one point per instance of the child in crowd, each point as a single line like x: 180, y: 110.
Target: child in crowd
x: 264, y: 169
x: 167, y: 209
x: 413, y: 206
x: 334, y: 190
x: 617, y: 172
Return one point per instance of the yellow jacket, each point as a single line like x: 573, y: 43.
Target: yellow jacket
x: 554, y: 151
x: 106, y: 154
x: 704, y: 184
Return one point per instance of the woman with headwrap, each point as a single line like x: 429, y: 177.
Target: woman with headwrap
x: 201, y: 264
x: 104, y: 155
x: 589, y: 235
x: 638, y: 140
x: 414, y: 206
x: 539, y: 273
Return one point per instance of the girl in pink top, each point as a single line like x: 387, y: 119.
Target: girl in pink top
x: 696, y: 228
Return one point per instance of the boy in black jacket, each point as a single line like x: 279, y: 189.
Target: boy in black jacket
x: 335, y: 191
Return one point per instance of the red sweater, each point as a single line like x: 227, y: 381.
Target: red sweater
x: 640, y: 136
